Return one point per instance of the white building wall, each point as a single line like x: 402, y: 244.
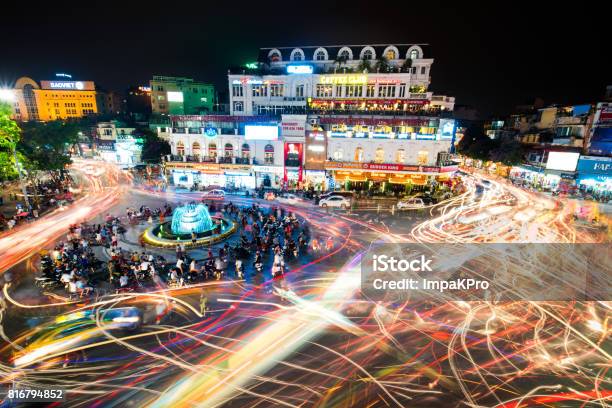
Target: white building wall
x: 390, y: 148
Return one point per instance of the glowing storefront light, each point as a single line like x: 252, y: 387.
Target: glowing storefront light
x: 343, y: 79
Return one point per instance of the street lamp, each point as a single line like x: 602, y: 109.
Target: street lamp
x: 7, y: 95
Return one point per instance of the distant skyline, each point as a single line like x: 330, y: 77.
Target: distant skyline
x: 492, y: 58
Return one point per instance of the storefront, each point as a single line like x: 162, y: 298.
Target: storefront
x: 238, y: 176
x: 268, y: 176
x: 595, y: 174
x: 315, y: 179
x: 200, y: 174
x: 386, y: 177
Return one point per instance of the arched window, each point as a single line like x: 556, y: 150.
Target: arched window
x: 245, y: 151
x: 212, y: 150
x: 180, y: 148
x: 345, y: 54
x: 368, y: 55
x: 320, y: 55
x: 379, y: 156
x: 422, y: 157
x: 229, y: 150
x: 269, y: 154
x: 391, y: 52
x: 414, y: 54
x: 338, y: 154
x: 359, y: 154
x: 297, y: 55
x: 400, y: 156
x: 275, y: 55
x: 195, y: 149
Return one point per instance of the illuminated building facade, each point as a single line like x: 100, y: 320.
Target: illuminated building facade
x: 60, y: 98
x: 181, y: 96
x: 369, y: 79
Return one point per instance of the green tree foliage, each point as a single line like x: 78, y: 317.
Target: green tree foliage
x: 477, y: 145
x: 153, y: 147
x: 46, y: 145
x: 406, y: 65
x: 364, y: 66
x: 382, y: 65
x: 508, y: 151
x: 9, y: 137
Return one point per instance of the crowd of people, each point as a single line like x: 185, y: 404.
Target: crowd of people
x: 45, y: 195
x: 264, y: 235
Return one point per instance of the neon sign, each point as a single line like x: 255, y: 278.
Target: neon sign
x: 344, y: 79
x: 66, y: 85
x: 299, y: 69
x: 251, y: 65
x: 248, y: 81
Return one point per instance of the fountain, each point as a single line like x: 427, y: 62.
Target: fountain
x: 188, y: 219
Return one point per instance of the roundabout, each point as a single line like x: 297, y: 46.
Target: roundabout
x: 191, y: 226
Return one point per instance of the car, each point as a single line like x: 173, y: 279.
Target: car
x: 269, y: 195
x: 346, y: 194
x: 335, y: 201
x: 410, y: 204
x: 288, y: 198
x: 216, y: 194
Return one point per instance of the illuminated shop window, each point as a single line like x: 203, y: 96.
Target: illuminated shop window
x: 359, y: 154
x: 379, y: 157
x: 195, y: 149
x: 400, y: 156
x: 422, y: 157
x: 180, y: 148
x: 338, y: 154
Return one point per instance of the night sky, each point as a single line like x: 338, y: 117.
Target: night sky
x: 491, y: 57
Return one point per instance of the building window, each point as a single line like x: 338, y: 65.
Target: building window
x: 402, y: 90
x: 359, y: 154
x: 338, y: 154
x: 370, y: 90
x: 297, y: 56
x: 229, y: 150
x: 180, y: 148
x: 238, y: 106
x: 414, y: 54
x: 260, y: 90
x: 323, y: 91
x: 368, y: 55
x: 354, y: 91
x: 379, y: 157
x: 275, y: 56
x: 212, y: 150
x: 245, y: 151
x: 299, y: 91
x: 276, y: 90
x: 269, y: 154
x: 423, y: 70
x: 400, y: 156
x: 338, y: 91
x: 195, y: 149
x: 237, y: 90
x: 413, y: 70
x: 344, y: 54
x: 386, y: 91
x: 391, y: 55
x: 422, y: 157
x: 320, y: 55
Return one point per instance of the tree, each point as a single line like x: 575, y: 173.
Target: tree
x: 46, y: 145
x: 406, y: 65
x: 9, y: 137
x: 508, y: 151
x: 364, y: 66
x: 340, y: 61
x: 153, y: 147
x: 475, y: 143
x: 382, y: 65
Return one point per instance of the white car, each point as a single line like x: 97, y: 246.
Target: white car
x: 335, y: 201
x: 410, y: 204
x: 213, y: 195
x: 288, y: 199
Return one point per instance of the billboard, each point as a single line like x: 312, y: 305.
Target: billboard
x: 564, y: 161
x: 595, y: 165
x: 601, y: 142
x: 293, y: 125
x: 293, y: 154
x: 175, y: 96
x: 68, y: 85
x: 446, y: 130
x: 260, y: 132
x: 300, y: 69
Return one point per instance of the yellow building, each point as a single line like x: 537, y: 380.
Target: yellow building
x: 54, y: 99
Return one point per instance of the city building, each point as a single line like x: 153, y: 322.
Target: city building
x: 353, y: 117
x: 355, y: 78
x: 114, y: 142
x: 59, y: 98
x: 181, y: 96
x: 110, y: 102
x: 138, y: 103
